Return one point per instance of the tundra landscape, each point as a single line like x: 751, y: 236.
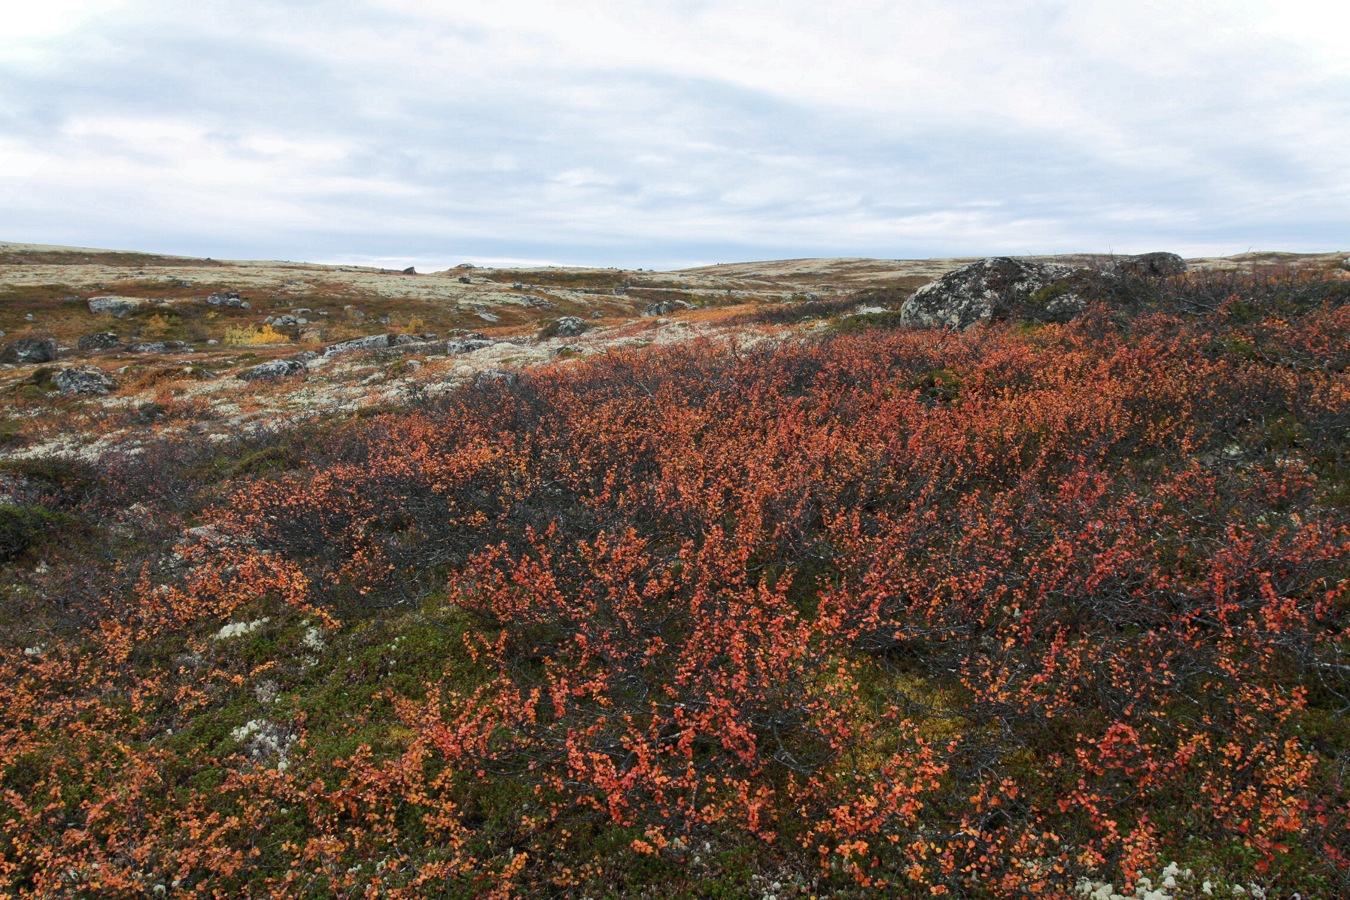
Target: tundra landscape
x: 812, y: 578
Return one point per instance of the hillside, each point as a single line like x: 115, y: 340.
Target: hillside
x: 756, y: 593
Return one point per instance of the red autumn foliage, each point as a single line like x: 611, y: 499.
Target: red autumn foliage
x: 904, y: 611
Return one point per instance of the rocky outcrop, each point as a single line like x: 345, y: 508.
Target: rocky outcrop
x: 84, y: 381
x: 103, y: 340
x: 29, y: 351
x: 114, y: 306
x: 1000, y: 287
x: 274, y: 369
x: 1149, y: 265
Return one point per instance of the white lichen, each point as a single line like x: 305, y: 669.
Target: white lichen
x: 236, y: 629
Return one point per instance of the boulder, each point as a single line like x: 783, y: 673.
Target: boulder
x: 103, y: 340
x: 1149, y: 265
x: 572, y: 326
x: 374, y: 342
x: 114, y: 306
x: 1000, y: 287
x: 411, y: 270
x: 274, y: 369
x: 149, y: 347
x: 29, y: 351
x: 84, y: 381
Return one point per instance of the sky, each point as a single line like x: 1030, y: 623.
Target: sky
x: 673, y: 133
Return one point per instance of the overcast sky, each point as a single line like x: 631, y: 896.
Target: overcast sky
x: 664, y: 134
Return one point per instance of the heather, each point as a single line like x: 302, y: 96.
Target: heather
x: 861, y: 610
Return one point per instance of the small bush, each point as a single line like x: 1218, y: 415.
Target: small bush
x: 24, y: 527
x: 245, y: 335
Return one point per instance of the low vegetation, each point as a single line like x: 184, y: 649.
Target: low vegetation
x: 1041, y: 610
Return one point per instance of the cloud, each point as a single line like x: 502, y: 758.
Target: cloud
x: 667, y: 133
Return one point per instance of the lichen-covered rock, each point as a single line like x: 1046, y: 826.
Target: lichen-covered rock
x: 114, y: 306
x: 103, y: 340
x: 273, y: 369
x: 84, y: 381
x: 29, y: 351
x: 148, y: 347
x: 1000, y: 287
x: 374, y: 342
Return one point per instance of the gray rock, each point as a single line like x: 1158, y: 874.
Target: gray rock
x: 1345, y: 264
x: 374, y: 342
x: 271, y: 371
x: 149, y: 347
x: 284, y: 321
x: 572, y: 326
x: 114, y: 306
x: 465, y: 279
x: 385, y: 320
x: 103, y: 340
x: 997, y: 287
x: 517, y: 286
x: 28, y: 351
x: 1149, y: 265
x: 402, y: 340
x: 227, y: 298
x: 411, y: 270
x: 84, y: 381
x: 304, y: 356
